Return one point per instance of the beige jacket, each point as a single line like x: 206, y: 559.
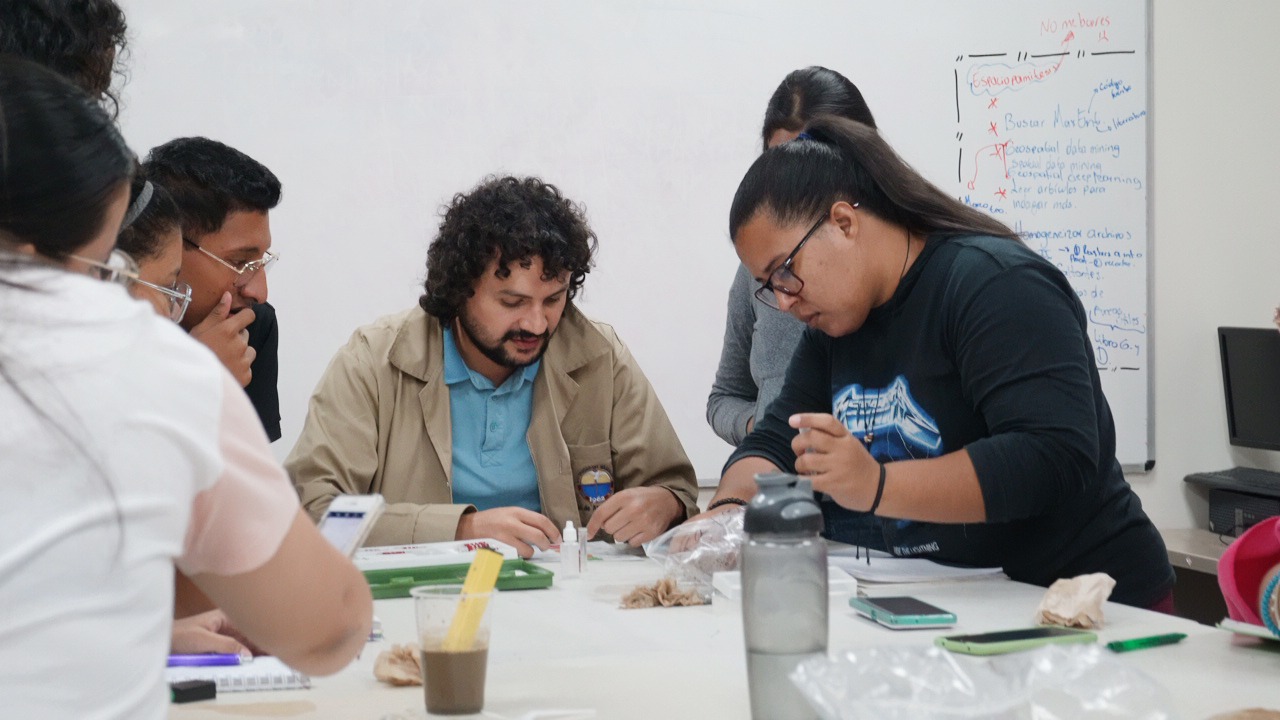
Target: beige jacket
x: 379, y: 423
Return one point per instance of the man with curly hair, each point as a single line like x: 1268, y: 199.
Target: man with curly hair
x: 495, y: 408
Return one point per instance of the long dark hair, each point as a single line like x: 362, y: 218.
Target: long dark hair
x: 845, y: 160
x: 808, y: 92
x: 62, y: 161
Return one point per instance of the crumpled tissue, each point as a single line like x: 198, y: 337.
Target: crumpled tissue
x: 1076, y: 602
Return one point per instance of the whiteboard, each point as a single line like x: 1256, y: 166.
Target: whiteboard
x: 1051, y: 137
x: 374, y: 113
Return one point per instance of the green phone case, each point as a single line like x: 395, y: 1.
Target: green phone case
x: 395, y: 582
x: 955, y: 643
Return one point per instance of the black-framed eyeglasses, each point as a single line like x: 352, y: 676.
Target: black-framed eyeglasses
x: 245, y: 271
x: 782, y: 280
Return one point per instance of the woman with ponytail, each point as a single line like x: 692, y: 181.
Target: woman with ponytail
x: 945, y: 384
x: 759, y: 339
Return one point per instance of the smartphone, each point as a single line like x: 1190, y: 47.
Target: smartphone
x: 1007, y: 641
x: 349, y: 519
x: 901, y: 613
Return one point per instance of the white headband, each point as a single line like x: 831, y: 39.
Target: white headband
x: 138, y: 205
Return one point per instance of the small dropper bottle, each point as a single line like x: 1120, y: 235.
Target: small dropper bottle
x: 570, y: 551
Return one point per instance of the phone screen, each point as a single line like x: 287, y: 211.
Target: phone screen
x: 1014, y: 635
x: 342, y: 528
x: 904, y: 606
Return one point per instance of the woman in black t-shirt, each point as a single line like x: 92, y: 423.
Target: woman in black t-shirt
x: 945, y: 384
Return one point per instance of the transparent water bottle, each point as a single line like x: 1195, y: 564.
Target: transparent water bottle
x: 784, y: 593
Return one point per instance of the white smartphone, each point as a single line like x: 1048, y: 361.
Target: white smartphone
x: 349, y: 519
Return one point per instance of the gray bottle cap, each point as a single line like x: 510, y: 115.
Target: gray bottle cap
x: 784, y: 505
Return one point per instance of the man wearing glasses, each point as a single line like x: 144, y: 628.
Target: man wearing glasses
x: 225, y: 197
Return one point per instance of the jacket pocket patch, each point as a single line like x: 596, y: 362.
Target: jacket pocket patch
x: 595, y: 484
x: 593, y: 474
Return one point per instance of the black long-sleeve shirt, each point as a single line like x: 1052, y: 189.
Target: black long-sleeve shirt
x: 985, y: 346
x: 264, y: 338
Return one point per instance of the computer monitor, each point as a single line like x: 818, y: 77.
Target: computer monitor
x: 1251, y: 382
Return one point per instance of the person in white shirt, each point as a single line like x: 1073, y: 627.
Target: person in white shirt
x: 126, y: 449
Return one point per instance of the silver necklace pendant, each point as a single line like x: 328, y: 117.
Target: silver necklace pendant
x: 868, y: 437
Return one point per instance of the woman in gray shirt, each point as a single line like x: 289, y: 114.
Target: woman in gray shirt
x: 759, y: 340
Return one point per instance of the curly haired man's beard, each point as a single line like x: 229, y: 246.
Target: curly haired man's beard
x: 495, y: 350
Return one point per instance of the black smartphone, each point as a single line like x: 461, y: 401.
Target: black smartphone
x: 901, y: 612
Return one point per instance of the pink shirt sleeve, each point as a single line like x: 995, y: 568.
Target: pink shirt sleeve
x: 238, y: 523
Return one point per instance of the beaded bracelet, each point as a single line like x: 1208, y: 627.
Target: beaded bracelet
x: 726, y: 501
x: 1270, y: 606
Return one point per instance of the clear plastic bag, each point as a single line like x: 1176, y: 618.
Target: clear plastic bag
x: 692, y: 552
x: 1049, y: 683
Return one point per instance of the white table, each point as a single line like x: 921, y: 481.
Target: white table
x: 570, y: 646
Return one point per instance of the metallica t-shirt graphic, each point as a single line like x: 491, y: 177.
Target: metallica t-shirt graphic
x: 888, y: 421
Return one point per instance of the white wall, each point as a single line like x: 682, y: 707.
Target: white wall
x: 354, y: 225
x: 1216, y: 188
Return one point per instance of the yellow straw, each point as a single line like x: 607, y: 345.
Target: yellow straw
x: 481, y: 579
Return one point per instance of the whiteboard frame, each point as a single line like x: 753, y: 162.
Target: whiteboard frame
x: 1149, y: 124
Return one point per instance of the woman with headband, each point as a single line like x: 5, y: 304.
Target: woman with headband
x: 152, y: 236
x: 758, y: 338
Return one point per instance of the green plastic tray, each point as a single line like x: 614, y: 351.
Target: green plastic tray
x: 395, y: 582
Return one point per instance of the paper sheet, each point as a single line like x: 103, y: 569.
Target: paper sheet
x: 885, y: 568
x: 1244, y: 628
x: 456, y: 552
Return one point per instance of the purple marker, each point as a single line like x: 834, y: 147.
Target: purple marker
x: 204, y: 660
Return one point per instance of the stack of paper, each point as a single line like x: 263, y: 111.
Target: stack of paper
x: 1244, y: 628
x: 728, y: 585
x: 458, y: 552
x: 885, y: 568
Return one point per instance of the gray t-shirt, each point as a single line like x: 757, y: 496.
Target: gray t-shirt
x: 758, y: 344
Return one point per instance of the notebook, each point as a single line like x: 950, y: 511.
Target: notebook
x: 263, y: 673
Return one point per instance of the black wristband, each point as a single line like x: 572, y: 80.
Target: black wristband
x: 879, y: 493
x: 726, y: 501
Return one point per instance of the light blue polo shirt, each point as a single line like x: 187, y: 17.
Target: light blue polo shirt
x: 492, y: 466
